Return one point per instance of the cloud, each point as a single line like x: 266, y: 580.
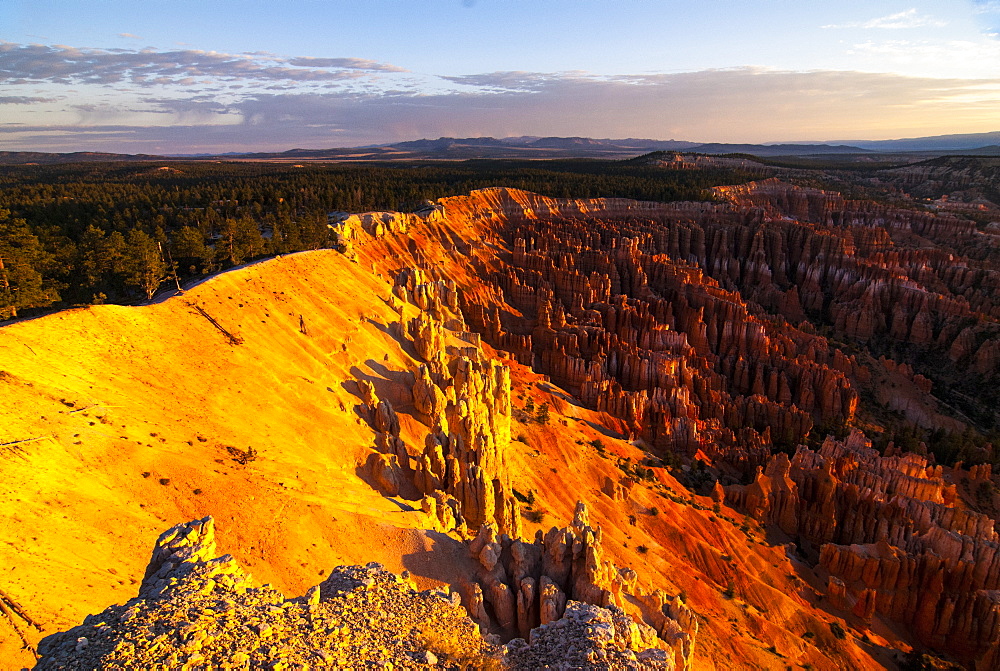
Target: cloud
x: 931, y: 52
x: 69, y: 65
x: 909, y: 18
x: 129, y: 36
x: 734, y: 105
x: 508, y: 81
x: 24, y: 100
x: 346, y: 63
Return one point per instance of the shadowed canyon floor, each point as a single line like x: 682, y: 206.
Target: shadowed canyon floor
x: 440, y: 395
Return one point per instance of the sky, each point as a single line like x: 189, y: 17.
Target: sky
x: 209, y: 76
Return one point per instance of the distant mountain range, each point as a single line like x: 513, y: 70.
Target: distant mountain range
x: 529, y: 147
x: 965, y: 143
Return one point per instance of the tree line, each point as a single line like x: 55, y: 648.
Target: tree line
x: 115, y: 232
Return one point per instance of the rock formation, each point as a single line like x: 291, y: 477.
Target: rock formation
x: 893, y: 541
x: 197, y: 611
x: 531, y: 584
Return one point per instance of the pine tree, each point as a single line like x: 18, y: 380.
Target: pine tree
x: 143, y: 265
x: 22, y: 263
x: 241, y: 240
x: 188, y: 248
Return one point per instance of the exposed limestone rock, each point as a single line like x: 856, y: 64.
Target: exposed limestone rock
x: 589, y: 637
x: 467, y: 401
x: 427, y: 396
x: 385, y: 419
x: 551, y: 599
x: 195, y: 611
x: 367, y: 390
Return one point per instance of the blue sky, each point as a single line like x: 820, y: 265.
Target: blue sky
x: 176, y: 76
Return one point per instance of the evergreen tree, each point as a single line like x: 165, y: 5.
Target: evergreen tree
x: 99, y: 259
x: 22, y: 263
x: 240, y: 240
x: 189, y: 250
x: 143, y: 266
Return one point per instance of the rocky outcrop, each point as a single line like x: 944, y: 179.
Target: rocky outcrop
x: 466, y: 399
x: 463, y: 398
x: 197, y: 611
x: 588, y: 637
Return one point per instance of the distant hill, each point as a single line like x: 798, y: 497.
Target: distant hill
x: 48, y: 158
x: 534, y: 147
x: 936, y: 143
x: 775, y: 149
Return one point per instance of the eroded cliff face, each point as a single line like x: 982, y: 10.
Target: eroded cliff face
x: 690, y: 326
x: 892, y: 537
x: 882, y: 273
x: 616, y: 302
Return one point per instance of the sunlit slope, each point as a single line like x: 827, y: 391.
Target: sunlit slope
x: 116, y: 422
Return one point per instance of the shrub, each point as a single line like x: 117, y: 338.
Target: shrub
x: 919, y: 661
x: 837, y: 631
x: 535, y: 516
x: 642, y: 549
x: 242, y: 457
x: 543, y: 414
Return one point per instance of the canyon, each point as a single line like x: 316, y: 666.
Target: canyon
x: 656, y: 417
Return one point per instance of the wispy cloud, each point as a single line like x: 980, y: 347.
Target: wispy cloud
x: 129, y: 36
x: 70, y: 65
x: 986, y: 6
x: 348, y: 63
x: 931, y: 52
x: 24, y: 100
x: 909, y: 18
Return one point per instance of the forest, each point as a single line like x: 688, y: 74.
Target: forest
x: 117, y: 232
